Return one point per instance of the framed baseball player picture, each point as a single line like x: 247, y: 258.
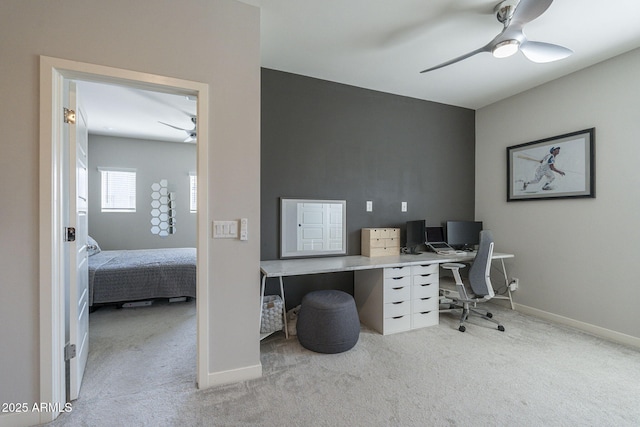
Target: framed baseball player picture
x: 562, y: 166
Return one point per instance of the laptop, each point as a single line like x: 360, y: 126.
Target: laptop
x: 435, y: 241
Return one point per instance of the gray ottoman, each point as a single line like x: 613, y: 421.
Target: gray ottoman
x: 328, y: 322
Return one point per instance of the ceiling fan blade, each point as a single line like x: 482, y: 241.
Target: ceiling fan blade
x: 175, y: 127
x: 544, y: 52
x: 459, y: 58
x: 528, y: 10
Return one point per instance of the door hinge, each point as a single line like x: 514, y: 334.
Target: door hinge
x: 69, y: 116
x: 69, y: 234
x: 69, y: 352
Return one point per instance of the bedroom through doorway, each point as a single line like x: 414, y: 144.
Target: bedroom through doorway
x: 146, y: 219
x: 55, y: 77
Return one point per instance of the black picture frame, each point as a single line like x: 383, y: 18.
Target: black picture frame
x: 535, y: 172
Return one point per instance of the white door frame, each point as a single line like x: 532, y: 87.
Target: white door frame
x: 53, y: 72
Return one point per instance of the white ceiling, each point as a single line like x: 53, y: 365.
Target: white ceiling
x: 383, y: 45
x: 134, y: 113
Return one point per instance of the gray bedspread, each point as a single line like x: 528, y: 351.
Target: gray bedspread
x: 130, y: 275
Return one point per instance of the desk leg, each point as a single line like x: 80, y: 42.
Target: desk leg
x: 262, y: 287
x: 506, y: 280
x: 284, y: 310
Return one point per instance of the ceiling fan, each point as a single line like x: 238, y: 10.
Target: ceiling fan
x: 514, y: 14
x: 193, y: 134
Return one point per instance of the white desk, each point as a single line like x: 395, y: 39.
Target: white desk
x: 304, y: 266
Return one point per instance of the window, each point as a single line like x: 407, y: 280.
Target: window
x: 118, y: 190
x: 193, y: 192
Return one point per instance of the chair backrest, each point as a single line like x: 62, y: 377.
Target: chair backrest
x: 479, y: 273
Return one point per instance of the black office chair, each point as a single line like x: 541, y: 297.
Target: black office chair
x: 458, y: 297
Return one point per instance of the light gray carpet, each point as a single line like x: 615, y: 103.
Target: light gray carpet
x: 141, y: 372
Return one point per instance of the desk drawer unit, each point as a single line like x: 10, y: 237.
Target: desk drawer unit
x: 396, y: 299
x: 380, y: 241
x: 383, y: 298
x: 424, y: 295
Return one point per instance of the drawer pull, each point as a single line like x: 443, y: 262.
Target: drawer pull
x: 425, y: 312
x: 397, y: 289
x: 424, y: 299
x: 398, y: 302
x: 398, y: 317
x: 397, y: 278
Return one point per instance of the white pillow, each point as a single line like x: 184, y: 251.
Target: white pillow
x: 92, y: 246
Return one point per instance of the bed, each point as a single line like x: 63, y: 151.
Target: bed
x: 142, y: 274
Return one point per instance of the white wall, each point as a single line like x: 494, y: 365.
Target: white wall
x: 211, y: 41
x: 576, y: 259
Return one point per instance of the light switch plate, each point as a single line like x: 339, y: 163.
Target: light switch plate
x: 403, y: 207
x: 225, y: 229
x: 369, y: 206
x: 244, y: 232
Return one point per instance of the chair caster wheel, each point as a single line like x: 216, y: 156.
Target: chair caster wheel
x: 501, y: 328
x: 462, y: 328
x: 489, y: 315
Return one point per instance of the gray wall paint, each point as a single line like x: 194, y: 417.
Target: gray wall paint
x: 563, y: 274
x: 331, y: 141
x: 153, y: 161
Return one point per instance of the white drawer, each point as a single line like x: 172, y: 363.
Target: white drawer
x: 421, y: 320
x: 424, y: 269
x: 397, y: 271
x: 424, y: 279
x: 425, y: 304
x: 425, y: 291
x: 396, y: 294
x: 396, y: 282
x: 392, y: 325
x: 395, y: 309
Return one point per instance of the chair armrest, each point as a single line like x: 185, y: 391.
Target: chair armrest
x: 453, y: 265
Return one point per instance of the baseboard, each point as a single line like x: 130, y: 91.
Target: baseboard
x: 598, y: 331
x: 232, y: 376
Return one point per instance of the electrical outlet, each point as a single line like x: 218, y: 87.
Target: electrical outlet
x: 513, y: 286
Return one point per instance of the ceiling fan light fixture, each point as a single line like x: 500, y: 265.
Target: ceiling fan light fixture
x: 505, y: 48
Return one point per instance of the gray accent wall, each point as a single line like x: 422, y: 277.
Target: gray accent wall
x: 153, y: 161
x: 324, y: 140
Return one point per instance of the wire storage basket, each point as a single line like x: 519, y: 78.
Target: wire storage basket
x: 271, y: 320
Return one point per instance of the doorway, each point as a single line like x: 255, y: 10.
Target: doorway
x: 53, y: 74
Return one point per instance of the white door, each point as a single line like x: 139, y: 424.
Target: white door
x: 78, y: 258
x: 311, y: 226
x: 334, y: 237
x: 319, y: 226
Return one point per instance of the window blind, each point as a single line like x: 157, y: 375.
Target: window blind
x: 193, y: 192
x: 118, y: 190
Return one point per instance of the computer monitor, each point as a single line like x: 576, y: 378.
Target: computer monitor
x: 415, y: 235
x: 463, y: 234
